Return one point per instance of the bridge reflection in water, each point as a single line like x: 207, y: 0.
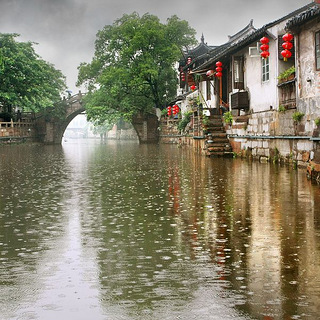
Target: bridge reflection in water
x: 129, y: 231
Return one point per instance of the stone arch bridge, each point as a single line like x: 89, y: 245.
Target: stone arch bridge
x: 50, y: 128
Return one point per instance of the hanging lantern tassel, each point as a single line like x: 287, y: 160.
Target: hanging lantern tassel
x: 286, y: 54
x: 169, y: 111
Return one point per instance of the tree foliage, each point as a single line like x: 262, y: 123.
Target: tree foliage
x: 26, y: 81
x: 133, y: 66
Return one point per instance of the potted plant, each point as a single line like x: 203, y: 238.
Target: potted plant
x: 286, y: 75
x: 297, y: 116
x: 205, y: 123
x: 316, y: 131
x: 228, y: 118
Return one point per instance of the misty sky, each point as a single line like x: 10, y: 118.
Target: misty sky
x: 65, y: 30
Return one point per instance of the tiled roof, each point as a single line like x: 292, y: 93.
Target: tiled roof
x: 228, y: 48
x: 247, y: 29
x: 232, y: 39
x: 231, y: 47
x: 303, y: 17
x: 201, y: 49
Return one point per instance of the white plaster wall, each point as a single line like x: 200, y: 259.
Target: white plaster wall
x: 184, y: 104
x: 262, y: 94
x: 203, y: 98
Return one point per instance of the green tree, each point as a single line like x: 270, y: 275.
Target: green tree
x: 133, y: 66
x: 26, y: 81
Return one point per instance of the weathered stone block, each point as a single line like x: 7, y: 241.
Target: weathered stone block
x: 254, y: 122
x: 266, y: 128
x: 300, y: 145
x: 267, y: 152
x: 305, y: 156
x: 316, y: 157
x: 254, y: 144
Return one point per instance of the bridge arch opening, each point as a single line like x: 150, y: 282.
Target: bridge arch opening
x: 80, y: 128
x: 51, y: 130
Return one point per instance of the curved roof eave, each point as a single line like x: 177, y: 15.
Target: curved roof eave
x: 238, y: 45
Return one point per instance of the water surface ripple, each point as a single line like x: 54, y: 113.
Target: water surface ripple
x: 117, y: 230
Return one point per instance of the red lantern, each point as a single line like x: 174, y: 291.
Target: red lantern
x: 183, y: 76
x: 193, y: 87
x: 189, y: 60
x: 287, y: 45
x: 287, y: 37
x: 169, y: 111
x: 264, y: 40
x: 286, y: 54
x: 175, y: 109
x: 219, y: 69
x: 264, y: 48
x: 209, y: 73
x: 265, y: 54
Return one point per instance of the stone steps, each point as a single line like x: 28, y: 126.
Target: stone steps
x: 217, y: 143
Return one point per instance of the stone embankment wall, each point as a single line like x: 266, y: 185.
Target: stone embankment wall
x: 275, y: 136
x: 193, y: 136
x: 265, y: 136
x: 16, y: 131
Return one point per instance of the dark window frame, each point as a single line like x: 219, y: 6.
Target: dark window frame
x: 238, y: 72
x: 208, y: 89
x: 317, y: 49
x: 265, y: 69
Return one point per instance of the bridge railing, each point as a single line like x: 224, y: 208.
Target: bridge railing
x: 75, y: 98
x: 17, y: 124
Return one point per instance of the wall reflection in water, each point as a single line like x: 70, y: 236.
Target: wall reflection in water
x: 261, y: 225
x: 123, y: 231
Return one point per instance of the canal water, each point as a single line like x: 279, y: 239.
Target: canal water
x: 117, y: 230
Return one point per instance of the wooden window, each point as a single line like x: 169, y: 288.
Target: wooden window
x: 265, y: 70
x: 238, y: 73
x: 317, y: 49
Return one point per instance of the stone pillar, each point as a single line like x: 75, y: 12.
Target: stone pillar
x: 146, y: 127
